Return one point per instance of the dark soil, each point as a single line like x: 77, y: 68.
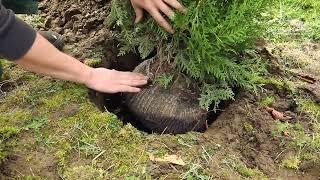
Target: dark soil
x: 80, y: 22
x: 257, y: 148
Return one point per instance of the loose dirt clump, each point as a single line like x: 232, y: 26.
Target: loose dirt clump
x: 80, y: 22
x: 255, y: 144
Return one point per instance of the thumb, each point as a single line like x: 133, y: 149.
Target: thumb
x: 139, y: 15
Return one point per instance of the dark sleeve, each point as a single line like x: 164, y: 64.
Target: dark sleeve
x: 16, y: 37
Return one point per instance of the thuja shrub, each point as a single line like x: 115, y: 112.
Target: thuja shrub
x: 209, y: 44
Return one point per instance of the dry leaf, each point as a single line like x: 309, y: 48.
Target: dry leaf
x: 173, y: 159
x: 278, y: 115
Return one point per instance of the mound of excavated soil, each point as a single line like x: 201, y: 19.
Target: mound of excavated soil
x: 81, y: 22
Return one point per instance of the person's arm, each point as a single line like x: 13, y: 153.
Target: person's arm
x: 155, y: 8
x: 21, y: 44
x: 45, y: 59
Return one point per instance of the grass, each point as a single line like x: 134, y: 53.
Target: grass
x: 6, y: 133
x: 267, y: 101
x: 57, y: 116
x: 292, y: 162
x: 235, y: 164
x: 86, y: 173
x: 195, y: 172
x: 40, y: 106
x: 35, y: 20
x: 293, y: 23
x: 293, y: 20
x: 303, y: 138
x: 97, y: 144
x: 43, y: 116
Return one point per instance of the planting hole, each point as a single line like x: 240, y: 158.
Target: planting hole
x: 155, y: 109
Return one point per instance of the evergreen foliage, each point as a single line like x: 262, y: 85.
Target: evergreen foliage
x: 209, y: 42
x: 164, y: 80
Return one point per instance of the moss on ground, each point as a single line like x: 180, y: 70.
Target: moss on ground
x: 57, y: 116
x: 246, y: 172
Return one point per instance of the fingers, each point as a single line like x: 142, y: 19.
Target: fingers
x: 131, y: 76
x: 166, y: 9
x: 124, y: 88
x: 112, y: 81
x: 161, y: 20
x: 131, y: 79
x: 140, y: 76
x: 154, y: 7
x: 175, y: 4
x: 134, y: 82
x: 139, y: 14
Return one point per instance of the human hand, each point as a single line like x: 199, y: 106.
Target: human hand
x: 112, y: 81
x: 154, y: 8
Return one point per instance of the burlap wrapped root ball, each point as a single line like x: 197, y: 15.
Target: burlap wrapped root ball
x: 173, y: 110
